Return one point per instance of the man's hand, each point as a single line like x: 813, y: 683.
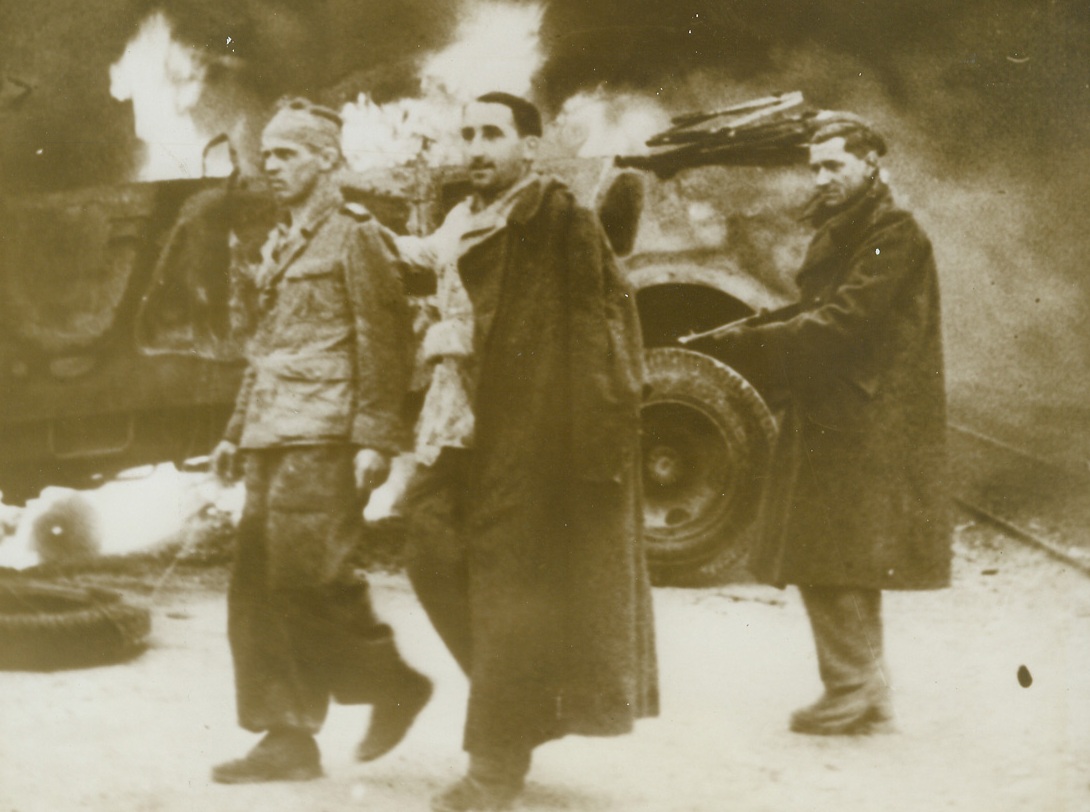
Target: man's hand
x: 225, y: 462
x: 371, y: 468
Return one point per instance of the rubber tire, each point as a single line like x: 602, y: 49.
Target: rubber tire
x: 704, y: 390
x: 728, y: 566
x: 46, y: 627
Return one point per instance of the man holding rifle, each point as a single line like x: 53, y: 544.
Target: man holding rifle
x: 856, y: 502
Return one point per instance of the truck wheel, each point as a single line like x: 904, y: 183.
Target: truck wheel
x: 707, y: 440
x: 44, y: 627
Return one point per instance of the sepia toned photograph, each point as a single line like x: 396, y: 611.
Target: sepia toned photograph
x: 542, y: 405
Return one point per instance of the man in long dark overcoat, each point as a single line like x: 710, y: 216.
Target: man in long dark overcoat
x: 857, y: 499
x: 525, y: 513
x: 317, y: 419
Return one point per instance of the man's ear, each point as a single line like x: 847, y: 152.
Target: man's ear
x: 530, y: 145
x: 871, y: 159
x: 331, y: 158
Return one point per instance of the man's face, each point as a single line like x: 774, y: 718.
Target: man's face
x: 293, y: 169
x: 840, y: 176
x: 496, y: 156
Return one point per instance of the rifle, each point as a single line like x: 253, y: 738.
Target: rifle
x: 752, y: 320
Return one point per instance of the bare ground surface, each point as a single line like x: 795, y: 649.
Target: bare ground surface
x: 735, y: 660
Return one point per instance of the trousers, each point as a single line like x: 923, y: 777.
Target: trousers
x: 300, y: 621
x: 847, y: 627
x: 438, y: 562
x: 437, y: 555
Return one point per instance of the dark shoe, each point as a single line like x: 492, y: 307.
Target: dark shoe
x: 471, y: 793
x: 280, y: 756
x: 855, y: 711
x: 391, y: 720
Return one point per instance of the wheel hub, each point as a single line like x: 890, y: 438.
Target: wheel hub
x: 664, y: 465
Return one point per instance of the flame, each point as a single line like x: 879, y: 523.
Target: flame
x: 164, y: 80
x: 497, y: 47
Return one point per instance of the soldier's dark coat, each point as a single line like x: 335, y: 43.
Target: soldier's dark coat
x: 559, y: 598
x: 858, y: 492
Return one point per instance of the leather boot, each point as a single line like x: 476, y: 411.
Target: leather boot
x: 392, y: 717
x: 851, y: 710
x: 492, y: 783
x: 282, y: 755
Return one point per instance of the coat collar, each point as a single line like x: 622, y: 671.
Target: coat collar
x: 840, y: 230
x: 856, y: 214
x: 528, y: 202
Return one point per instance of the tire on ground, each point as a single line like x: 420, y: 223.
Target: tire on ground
x: 46, y: 627
x: 707, y: 441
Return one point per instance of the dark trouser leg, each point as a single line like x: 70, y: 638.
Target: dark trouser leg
x: 356, y: 657
x: 847, y: 627
x: 437, y: 553
x: 272, y: 686
x: 343, y: 647
x: 438, y: 564
x: 300, y: 623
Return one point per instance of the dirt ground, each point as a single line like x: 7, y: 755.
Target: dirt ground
x: 734, y: 659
